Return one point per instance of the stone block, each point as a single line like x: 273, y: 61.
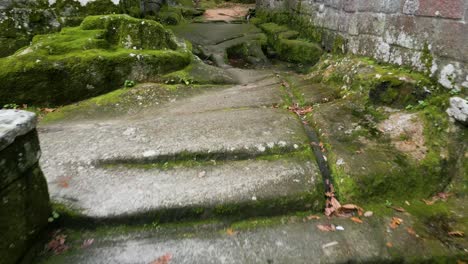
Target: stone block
x: 453, y: 9
x: 24, y: 197
x: 350, y: 5
x: 383, y: 6
x: 451, y: 40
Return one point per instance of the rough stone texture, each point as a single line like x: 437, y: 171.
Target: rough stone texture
x: 24, y: 199
x: 293, y: 242
x: 14, y: 123
x: 394, y: 31
x: 234, y: 123
x: 458, y: 109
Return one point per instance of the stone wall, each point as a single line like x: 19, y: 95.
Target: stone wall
x: 24, y: 199
x: 429, y: 35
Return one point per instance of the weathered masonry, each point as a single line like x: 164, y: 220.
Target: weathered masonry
x: 428, y: 35
x: 24, y: 199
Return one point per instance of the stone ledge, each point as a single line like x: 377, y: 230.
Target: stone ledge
x: 14, y: 123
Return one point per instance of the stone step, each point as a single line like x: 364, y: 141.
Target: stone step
x: 143, y: 194
x: 174, y: 164
x: 265, y: 240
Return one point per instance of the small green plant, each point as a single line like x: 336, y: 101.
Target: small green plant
x: 53, y: 217
x: 10, y: 106
x: 454, y: 92
x: 388, y: 203
x: 129, y: 83
x: 409, y: 107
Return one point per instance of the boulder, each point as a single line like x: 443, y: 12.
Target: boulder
x: 458, y: 110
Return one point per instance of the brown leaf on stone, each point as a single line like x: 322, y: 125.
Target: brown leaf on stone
x: 63, y: 181
x: 326, y: 227
x: 313, y: 217
x: 57, y: 244
x: 87, y: 243
x: 349, y: 210
x: 411, y: 231
x: 456, y: 233
x: 332, y: 205
x: 398, y: 209
x: 440, y: 196
x: 428, y: 202
x: 389, y: 245
x: 164, y: 259
x: 230, y: 232
x: 395, y: 222
x: 47, y: 110
x: 356, y: 220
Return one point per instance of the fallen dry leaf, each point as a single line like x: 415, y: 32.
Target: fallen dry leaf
x: 230, y: 232
x: 326, y: 227
x: 356, y: 220
x: 456, y: 234
x: 64, y: 181
x: 87, y: 243
x: 47, y: 110
x: 461, y: 262
x: 428, y: 202
x: 349, y: 210
x: 398, y: 209
x: 332, y: 205
x: 411, y: 231
x: 57, y: 244
x: 164, y: 259
x: 313, y: 217
x: 440, y: 196
x: 389, y: 245
x: 395, y: 222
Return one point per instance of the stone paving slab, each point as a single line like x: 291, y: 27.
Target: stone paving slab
x: 123, y: 191
x: 250, y: 131
x: 284, y: 243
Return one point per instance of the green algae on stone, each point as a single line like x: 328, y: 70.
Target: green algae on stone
x: 89, y: 60
x: 364, y: 160
x: 288, y: 47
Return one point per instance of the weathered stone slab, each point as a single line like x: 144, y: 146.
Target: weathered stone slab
x: 14, y: 123
x: 24, y: 199
x: 294, y: 242
x: 119, y: 191
x: 458, y: 109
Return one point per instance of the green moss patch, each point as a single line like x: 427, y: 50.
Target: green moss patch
x: 89, y: 60
x: 366, y: 162
x: 288, y: 47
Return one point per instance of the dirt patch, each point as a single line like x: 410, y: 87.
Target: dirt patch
x: 407, y: 134
x: 228, y: 12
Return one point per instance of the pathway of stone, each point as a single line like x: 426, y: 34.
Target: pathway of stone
x: 222, y: 155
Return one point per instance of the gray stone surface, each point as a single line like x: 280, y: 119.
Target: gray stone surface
x: 253, y: 131
x: 458, y: 109
x: 237, y: 122
x: 278, y: 243
x: 14, y: 123
x: 119, y: 191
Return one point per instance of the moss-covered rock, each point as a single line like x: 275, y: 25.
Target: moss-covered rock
x: 285, y: 43
x: 89, y: 60
x: 25, y: 208
x: 387, y: 134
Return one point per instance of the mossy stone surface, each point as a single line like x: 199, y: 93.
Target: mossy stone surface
x: 89, y: 60
x: 286, y: 44
x: 24, y: 197
x: 366, y: 162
